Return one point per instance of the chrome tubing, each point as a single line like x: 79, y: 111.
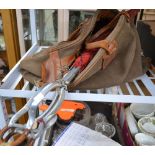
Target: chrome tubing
x: 32, y: 103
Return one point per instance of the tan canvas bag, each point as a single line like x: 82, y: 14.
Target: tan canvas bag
x: 117, y: 60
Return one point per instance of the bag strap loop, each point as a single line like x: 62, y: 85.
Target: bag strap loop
x: 110, y: 50
x: 109, y: 46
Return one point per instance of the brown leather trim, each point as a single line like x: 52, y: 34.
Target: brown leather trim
x: 3, y: 131
x: 109, y: 46
x: 20, y: 139
x: 43, y: 72
x: 9, y: 136
x: 133, y: 12
x: 53, y: 68
x: 67, y: 60
x: 107, y: 59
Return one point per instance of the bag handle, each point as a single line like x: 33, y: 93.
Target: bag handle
x: 109, y: 46
x: 109, y: 53
x: 128, y: 14
x: 18, y: 141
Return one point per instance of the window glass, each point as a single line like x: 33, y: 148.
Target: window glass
x: 2, y: 42
x: 3, y: 55
x: 47, y: 26
x: 76, y: 17
x: 26, y: 28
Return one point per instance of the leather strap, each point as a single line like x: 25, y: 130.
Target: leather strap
x: 18, y: 141
x: 133, y: 12
x: 107, y: 59
x: 110, y: 47
x: 3, y: 131
x: 9, y: 136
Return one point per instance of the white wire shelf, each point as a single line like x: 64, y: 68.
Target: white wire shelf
x: 140, y: 90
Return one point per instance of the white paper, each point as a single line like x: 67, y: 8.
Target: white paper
x: 78, y: 135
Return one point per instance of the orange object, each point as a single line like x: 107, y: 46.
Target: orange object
x: 43, y: 107
x: 67, y: 109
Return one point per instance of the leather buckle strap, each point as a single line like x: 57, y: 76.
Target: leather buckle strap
x: 107, y: 58
x: 109, y: 46
x: 110, y: 50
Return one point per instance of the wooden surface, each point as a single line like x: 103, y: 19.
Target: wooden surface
x: 10, y: 36
x: 12, y: 47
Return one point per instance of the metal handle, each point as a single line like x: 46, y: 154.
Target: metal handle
x: 46, y: 118
x: 68, y: 77
x: 31, y: 107
x: 54, y: 107
x: 50, y: 106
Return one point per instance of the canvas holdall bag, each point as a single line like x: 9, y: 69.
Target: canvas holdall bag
x: 117, y: 60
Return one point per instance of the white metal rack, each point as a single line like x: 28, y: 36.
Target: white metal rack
x: 140, y: 90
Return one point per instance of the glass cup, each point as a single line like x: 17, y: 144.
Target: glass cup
x: 99, y: 117
x: 106, y: 129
